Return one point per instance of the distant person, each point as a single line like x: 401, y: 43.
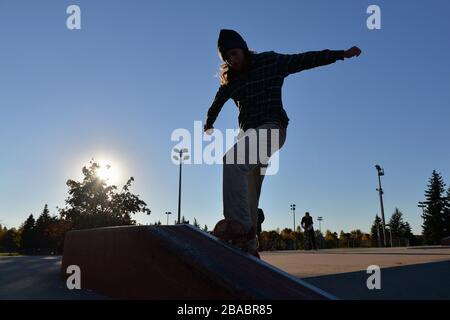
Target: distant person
x: 254, y: 82
x: 310, y: 237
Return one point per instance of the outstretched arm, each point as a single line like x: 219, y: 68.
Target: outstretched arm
x: 292, y: 63
x: 221, y: 97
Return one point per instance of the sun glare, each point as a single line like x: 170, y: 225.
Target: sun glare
x: 109, y: 172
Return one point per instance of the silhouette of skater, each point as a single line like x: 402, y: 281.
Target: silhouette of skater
x: 254, y: 82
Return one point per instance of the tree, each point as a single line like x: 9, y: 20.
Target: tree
x: 196, y: 224
x: 287, y: 239
x: 356, y: 234
x: 28, y: 238
x: 92, y: 203
x: 331, y: 239
x: 3, y: 231
x: 56, y: 232
x: 184, y: 221
x: 344, y: 239
x: 365, y: 238
x: 356, y: 237
x: 434, y: 224
x: 11, y: 240
x: 205, y: 228
x: 399, y: 228
x: 376, y: 234
x: 270, y: 240
x: 41, y: 229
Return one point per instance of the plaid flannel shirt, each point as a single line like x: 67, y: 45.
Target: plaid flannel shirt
x: 257, y: 92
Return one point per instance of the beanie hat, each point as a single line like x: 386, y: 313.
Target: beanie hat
x: 229, y: 39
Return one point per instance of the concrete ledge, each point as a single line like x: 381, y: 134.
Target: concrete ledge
x: 174, y: 262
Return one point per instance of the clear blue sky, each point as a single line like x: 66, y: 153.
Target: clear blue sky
x: 137, y: 70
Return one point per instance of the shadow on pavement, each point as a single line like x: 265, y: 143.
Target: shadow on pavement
x: 420, y: 281
x: 36, y: 278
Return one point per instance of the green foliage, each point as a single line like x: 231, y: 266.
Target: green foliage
x: 399, y: 228
x: 10, y: 240
x: 376, y: 233
x: 196, y: 224
x: 27, y: 241
x: 331, y: 239
x: 92, y: 203
x: 435, y: 215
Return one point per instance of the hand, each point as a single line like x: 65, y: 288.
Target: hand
x: 353, y: 51
x: 208, y: 131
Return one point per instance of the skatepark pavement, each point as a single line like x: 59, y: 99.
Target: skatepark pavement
x: 406, y: 273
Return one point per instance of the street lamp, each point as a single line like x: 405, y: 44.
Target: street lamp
x: 423, y: 206
x: 320, y: 226
x: 293, y: 211
x: 380, y: 191
x: 320, y: 229
x: 180, y: 158
x: 167, y: 213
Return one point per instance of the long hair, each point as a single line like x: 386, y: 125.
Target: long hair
x: 228, y: 74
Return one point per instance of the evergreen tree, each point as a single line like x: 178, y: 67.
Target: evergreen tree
x: 28, y: 238
x: 376, y: 233
x: 42, y: 229
x: 11, y: 240
x: 184, y: 221
x: 434, y: 224
x: 399, y: 228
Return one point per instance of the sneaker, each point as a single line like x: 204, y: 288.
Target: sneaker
x: 232, y: 230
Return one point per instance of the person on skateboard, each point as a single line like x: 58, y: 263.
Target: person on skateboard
x: 254, y: 82
x: 310, y: 236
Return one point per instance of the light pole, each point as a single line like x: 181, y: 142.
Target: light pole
x: 380, y: 191
x: 390, y: 234
x: 295, y: 238
x: 293, y: 211
x: 423, y: 206
x: 167, y: 213
x: 180, y: 158
x: 320, y: 226
x: 320, y: 229
x: 378, y: 234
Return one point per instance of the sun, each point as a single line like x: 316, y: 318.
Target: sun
x: 108, y: 171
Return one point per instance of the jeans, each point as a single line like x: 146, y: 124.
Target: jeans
x: 242, y: 176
